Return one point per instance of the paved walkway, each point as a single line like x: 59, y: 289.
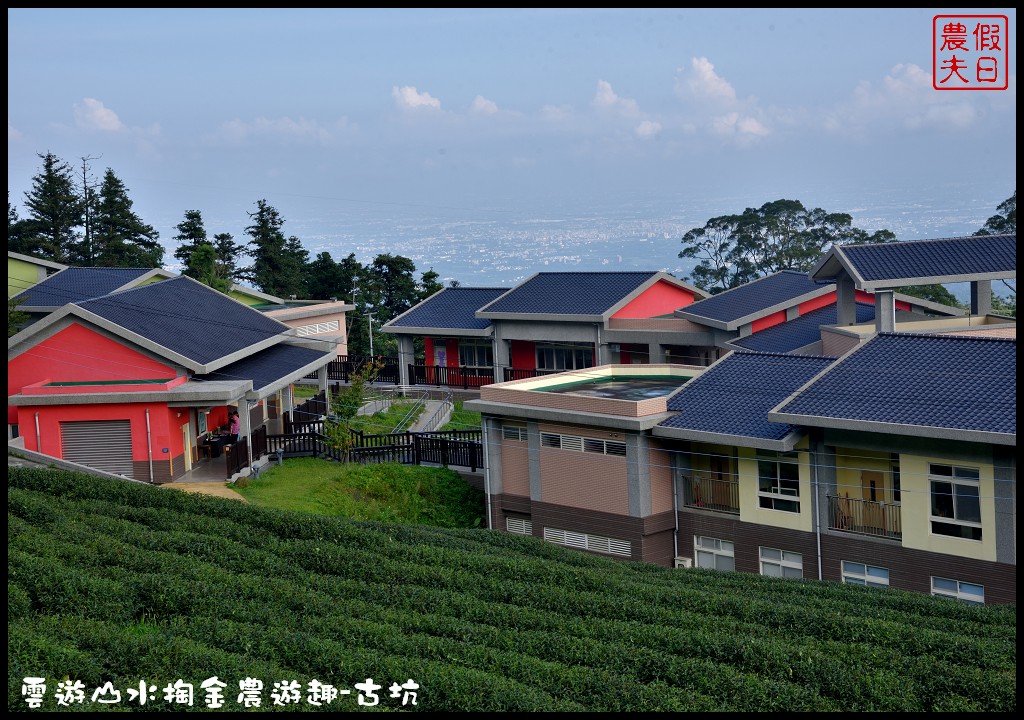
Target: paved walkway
x: 432, y: 406
x: 217, y: 489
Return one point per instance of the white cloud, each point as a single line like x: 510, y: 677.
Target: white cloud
x: 703, y: 82
x: 648, y: 128
x: 93, y: 115
x: 301, y: 130
x: 408, y: 97
x: 483, y: 106
x: 738, y: 126
x: 904, y: 98
x: 606, y: 99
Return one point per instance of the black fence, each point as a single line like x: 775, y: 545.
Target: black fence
x: 457, y: 377
x: 342, y: 369
x: 463, y: 448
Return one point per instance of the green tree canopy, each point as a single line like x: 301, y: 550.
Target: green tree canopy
x: 203, y: 267
x: 1005, y: 221
x: 120, y: 237
x: 55, y: 212
x: 191, y: 234
x: 732, y: 250
x: 279, y: 264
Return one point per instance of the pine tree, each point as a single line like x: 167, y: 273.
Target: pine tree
x: 228, y: 255
x: 121, y: 238
x: 191, y: 234
x: 266, y: 248
x: 55, y: 212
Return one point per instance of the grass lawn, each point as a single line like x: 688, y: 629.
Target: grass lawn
x: 396, y: 418
x: 387, y: 492
x: 462, y: 419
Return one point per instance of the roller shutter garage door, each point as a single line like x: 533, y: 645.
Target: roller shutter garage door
x: 101, y: 444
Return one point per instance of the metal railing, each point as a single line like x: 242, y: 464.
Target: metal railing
x: 457, y: 377
x: 865, y: 517
x: 712, y: 492
x: 342, y: 369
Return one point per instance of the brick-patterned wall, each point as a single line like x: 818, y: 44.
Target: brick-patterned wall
x: 584, y: 480
x: 515, y: 468
x: 661, y: 482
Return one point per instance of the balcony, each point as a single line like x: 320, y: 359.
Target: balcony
x: 865, y: 517
x: 712, y: 491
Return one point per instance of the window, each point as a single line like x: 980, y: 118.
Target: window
x: 713, y: 553
x: 894, y: 466
x: 582, y: 444
x: 519, y: 525
x: 781, y: 563
x: 969, y: 593
x: 475, y: 354
x: 778, y: 477
x: 583, y: 541
x: 955, y: 504
x: 856, y: 573
x: 513, y: 432
x: 565, y: 357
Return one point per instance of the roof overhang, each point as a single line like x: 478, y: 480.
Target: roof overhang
x: 439, y: 332
x: 784, y: 444
x: 532, y: 412
x: 937, y: 433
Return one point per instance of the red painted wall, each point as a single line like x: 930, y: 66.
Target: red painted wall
x: 818, y: 302
x: 769, y: 320
x: 661, y: 298
x: 860, y: 295
x: 428, y: 351
x: 452, y: 352
x: 77, y: 354
x: 524, y: 354
x: 165, y: 426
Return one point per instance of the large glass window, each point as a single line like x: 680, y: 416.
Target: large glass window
x: 778, y: 477
x: 475, y: 354
x: 955, y: 503
x: 970, y: 593
x: 714, y: 553
x: 781, y: 563
x: 565, y: 357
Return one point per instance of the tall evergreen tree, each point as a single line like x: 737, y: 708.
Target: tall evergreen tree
x: 85, y: 251
x: 121, y: 238
x: 229, y: 254
x: 279, y: 264
x: 55, y: 212
x: 16, y: 229
x: 391, y: 286
x: 191, y: 234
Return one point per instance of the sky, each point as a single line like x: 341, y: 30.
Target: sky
x: 477, y: 113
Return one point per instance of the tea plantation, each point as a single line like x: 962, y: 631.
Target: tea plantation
x: 154, y: 591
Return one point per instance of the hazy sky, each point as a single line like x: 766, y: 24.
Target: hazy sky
x: 323, y: 112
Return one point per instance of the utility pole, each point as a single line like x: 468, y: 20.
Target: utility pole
x: 369, y: 321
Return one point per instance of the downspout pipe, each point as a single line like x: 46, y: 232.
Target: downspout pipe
x: 149, y: 445
x: 817, y: 511
x: 487, y: 471
x: 39, y: 440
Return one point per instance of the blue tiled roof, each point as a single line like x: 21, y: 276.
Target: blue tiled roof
x: 75, y: 284
x: 266, y: 366
x: 569, y: 293
x: 745, y: 300
x: 939, y: 381
x: 733, y: 397
x: 186, y: 317
x: 800, y: 331
x: 452, y: 308
x: 934, y: 258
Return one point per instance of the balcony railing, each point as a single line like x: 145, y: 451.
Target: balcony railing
x: 865, y: 517
x: 523, y: 373
x: 464, y: 377
x: 712, y: 492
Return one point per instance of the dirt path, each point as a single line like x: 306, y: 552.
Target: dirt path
x: 217, y: 489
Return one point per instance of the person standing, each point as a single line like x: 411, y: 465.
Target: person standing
x: 234, y: 426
